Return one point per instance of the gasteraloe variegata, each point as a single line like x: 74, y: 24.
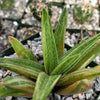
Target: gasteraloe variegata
x: 61, y: 73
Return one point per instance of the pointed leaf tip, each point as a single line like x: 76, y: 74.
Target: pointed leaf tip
x: 10, y: 38
x: 20, y: 50
x: 65, y: 9
x: 60, y: 33
x: 48, y: 43
x: 17, y: 45
x: 44, y: 10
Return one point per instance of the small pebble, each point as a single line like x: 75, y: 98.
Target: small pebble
x: 21, y: 98
x: 69, y: 98
x: 81, y: 96
x: 88, y: 95
x: 2, y: 98
x: 9, y: 98
x: 34, y: 49
x: 36, y: 39
x: 40, y: 53
x: 98, y: 79
x: 1, y: 74
x: 97, y: 87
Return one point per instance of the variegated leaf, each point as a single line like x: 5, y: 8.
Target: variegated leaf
x: 27, y: 68
x: 60, y: 33
x: 76, y: 87
x: 19, y: 83
x: 5, y: 91
x: 48, y: 44
x: 90, y: 56
x: 61, y: 68
x: 44, y: 86
x: 83, y: 48
x: 79, y: 75
x: 20, y: 50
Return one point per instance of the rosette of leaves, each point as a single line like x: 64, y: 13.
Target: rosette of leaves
x: 6, y: 4
x: 62, y: 73
x: 82, y: 15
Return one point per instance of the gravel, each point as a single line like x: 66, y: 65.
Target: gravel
x: 11, y: 28
x: 36, y: 47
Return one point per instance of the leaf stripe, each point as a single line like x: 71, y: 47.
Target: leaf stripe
x: 44, y: 86
x: 60, y: 33
x: 78, y: 75
x: 48, y: 44
x: 27, y: 68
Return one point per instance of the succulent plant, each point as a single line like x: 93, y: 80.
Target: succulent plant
x: 62, y: 73
x: 6, y: 4
x: 82, y: 14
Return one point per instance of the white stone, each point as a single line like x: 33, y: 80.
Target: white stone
x: 97, y: 59
x: 67, y: 41
x: 40, y: 53
x: 17, y: 3
x: 88, y: 95
x: 68, y: 6
x: 73, y: 37
x: 69, y: 98
x: 40, y: 47
x: 15, y: 23
x: 40, y: 33
x: 9, y: 98
x: 0, y: 75
x: 75, y: 95
x: 29, y: 42
x: 12, y: 56
x: 1, y: 13
x: 33, y: 49
x: 98, y: 98
x: 81, y: 96
x: 27, y: 10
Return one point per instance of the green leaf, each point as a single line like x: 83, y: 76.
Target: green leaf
x: 44, y: 86
x: 76, y: 87
x: 20, y: 50
x: 27, y: 54
x: 83, y: 48
x: 5, y: 91
x: 19, y: 83
x: 62, y: 67
x: 79, y: 75
x: 60, y: 33
x: 27, y: 68
x: 90, y: 56
x: 48, y: 44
